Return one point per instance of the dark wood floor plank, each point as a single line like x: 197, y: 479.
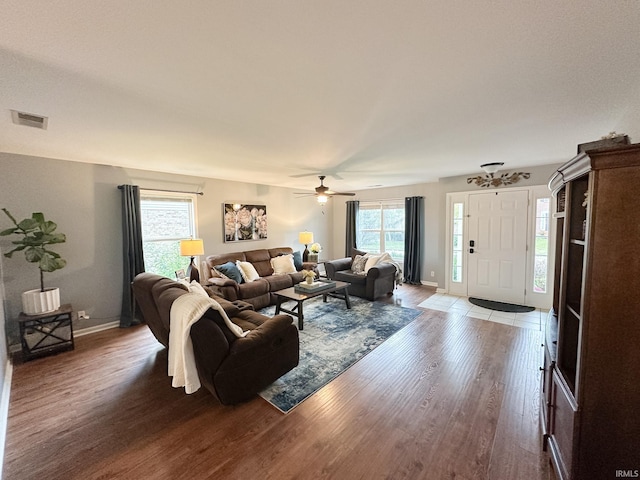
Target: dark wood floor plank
x: 447, y: 396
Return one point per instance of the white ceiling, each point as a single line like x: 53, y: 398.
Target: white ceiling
x: 378, y: 92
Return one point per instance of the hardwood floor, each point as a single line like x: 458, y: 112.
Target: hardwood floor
x: 446, y: 397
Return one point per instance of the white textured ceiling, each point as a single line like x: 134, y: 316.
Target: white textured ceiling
x: 274, y: 92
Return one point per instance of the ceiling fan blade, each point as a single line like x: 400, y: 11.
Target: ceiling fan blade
x: 342, y: 193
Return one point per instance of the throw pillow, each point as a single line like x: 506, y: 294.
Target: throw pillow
x: 248, y: 271
x: 283, y: 264
x: 372, y: 261
x: 357, y: 266
x: 230, y: 270
x: 195, y: 287
x: 297, y: 260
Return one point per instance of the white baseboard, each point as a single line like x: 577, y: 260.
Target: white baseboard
x: 441, y: 290
x: 96, y: 329
x: 429, y: 284
x: 16, y: 347
x: 4, y: 409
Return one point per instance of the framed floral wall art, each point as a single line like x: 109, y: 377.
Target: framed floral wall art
x: 244, y: 222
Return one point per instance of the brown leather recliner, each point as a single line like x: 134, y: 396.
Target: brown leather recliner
x: 233, y: 369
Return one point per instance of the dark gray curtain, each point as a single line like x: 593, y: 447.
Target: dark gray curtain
x: 413, y: 226
x: 352, y: 226
x: 133, y: 261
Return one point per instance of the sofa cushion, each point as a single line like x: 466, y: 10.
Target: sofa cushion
x: 253, y: 289
x: 279, y: 282
x: 230, y: 270
x: 349, y: 276
x: 283, y: 264
x: 248, y: 271
x: 260, y: 260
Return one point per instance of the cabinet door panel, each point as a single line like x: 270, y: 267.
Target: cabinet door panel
x: 561, y: 438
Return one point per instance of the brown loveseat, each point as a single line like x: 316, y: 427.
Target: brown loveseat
x: 258, y: 293
x: 233, y: 369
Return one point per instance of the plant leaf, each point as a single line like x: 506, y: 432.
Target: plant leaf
x: 49, y: 264
x: 48, y: 227
x: 28, y: 224
x: 34, y: 254
x: 8, y: 231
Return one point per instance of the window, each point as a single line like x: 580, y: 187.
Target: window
x: 541, y: 254
x: 457, y: 241
x: 381, y: 228
x: 166, y: 219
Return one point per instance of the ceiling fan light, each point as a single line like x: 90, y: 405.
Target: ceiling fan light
x: 491, y: 167
x: 322, y: 199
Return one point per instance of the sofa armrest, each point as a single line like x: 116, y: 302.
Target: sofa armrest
x: 382, y: 270
x: 334, y: 266
x: 230, y: 308
x: 265, y: 334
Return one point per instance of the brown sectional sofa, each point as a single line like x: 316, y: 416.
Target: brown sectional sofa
x: 232, y: 369
x: 258, y: 293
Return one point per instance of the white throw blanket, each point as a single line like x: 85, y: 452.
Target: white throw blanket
x: 186, y: 310
x: 386, y: 258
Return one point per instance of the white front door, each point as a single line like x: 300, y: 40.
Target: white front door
x: 497, y: 248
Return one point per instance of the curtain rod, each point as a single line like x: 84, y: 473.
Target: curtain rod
x: 161, y: 190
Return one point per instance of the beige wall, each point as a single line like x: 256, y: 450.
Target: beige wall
x: 83, y: 199
x: 85, y: 202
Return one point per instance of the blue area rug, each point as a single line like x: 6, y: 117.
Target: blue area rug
x: 333, y: 339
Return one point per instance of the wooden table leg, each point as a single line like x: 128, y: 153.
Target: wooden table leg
x: 347, y: 300
x: 278, y: 303
x: 300, y: 316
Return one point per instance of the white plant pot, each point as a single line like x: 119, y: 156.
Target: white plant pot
x: 35, y: 302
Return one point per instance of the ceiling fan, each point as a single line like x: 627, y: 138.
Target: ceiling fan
x: 323, y: 193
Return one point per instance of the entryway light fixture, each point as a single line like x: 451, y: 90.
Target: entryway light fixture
x: 489, y: 180
x: 491, y: 168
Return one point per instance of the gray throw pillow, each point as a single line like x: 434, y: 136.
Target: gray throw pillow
x: 358, y: 264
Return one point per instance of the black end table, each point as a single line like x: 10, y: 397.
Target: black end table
x: 46, y: 333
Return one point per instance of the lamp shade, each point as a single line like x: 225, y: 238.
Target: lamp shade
x: 305, y: 238
x: 191, y: 247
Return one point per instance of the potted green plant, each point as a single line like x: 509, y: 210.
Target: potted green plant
x: 36, y: 234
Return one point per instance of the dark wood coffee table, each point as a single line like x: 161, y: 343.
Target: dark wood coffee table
x: 340, y: 290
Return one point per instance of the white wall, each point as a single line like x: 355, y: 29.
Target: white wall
x: 83, y: 199
x: 433, y: 258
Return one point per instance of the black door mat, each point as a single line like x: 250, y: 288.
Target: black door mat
x: 500, y: 306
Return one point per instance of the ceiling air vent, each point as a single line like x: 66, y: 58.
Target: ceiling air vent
x: 29, y: 119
